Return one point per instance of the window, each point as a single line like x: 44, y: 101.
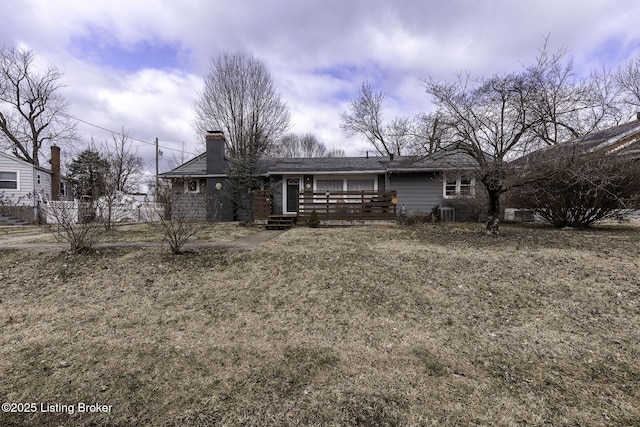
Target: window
x: 360, y: 184
x: 8, y: 180
x: 458, y: 186
x: 466, y: 187
x: 38, y: 178
x: 329, y: 185
x: 193, y: 186
x: 63, y: 189
x: 450, y: 187
x: 346, y: 184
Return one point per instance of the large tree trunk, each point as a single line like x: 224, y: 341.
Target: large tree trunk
x: 493, y: 214
x: 494, y: 184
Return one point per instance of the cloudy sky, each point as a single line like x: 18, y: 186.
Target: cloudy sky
x: 139, y: 64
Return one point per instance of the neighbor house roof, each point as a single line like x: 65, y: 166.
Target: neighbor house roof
x: 24, y: 162
x: 621, y: 139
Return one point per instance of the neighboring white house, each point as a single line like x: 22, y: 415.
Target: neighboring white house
x: 20, y: 180
x: 24, y: 186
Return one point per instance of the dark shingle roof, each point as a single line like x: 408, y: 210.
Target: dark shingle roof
x: 321, y: 165
x: 622, y: 139
x: 328, y: 165
x: 444, y: 160
x: 194, y: 167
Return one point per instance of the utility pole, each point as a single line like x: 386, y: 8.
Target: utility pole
x: 157, y: 180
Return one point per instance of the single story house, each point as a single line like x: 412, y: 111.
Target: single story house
x: 24, y: 186
x: 351, y: 189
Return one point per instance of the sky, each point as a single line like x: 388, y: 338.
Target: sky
x: 139, y: 65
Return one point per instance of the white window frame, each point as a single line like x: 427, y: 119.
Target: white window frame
x: 187, y: 182
x: 458, y: 191
x: 344, y: 179
x: 9, y: 180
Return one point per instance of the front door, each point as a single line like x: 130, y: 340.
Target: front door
x: 293, y: 186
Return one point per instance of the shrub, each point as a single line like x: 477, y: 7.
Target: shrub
x: 579, y: 190
x: 63, y: 222
x: 313, y: 221
x: 190, y: 213
x: 470, y: 208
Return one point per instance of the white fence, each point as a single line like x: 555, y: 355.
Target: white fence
x: 126, y: 211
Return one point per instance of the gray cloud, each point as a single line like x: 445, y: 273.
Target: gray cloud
x: 318, y: 52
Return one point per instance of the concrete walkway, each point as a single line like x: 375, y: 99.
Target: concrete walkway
x: 244, y: 243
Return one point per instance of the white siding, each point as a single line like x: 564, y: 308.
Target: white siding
x: 25, y: 179
x: 43, y: 189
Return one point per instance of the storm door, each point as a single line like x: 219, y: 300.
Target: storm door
x: 293, y: 186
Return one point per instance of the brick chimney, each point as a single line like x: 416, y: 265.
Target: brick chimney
x: 55, y: 172
x: 215, y: 144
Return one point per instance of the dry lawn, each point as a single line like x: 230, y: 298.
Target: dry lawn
x: 219, y: 233
x: 428, y: 325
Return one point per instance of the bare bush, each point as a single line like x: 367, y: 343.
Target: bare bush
x: 578, y: 191
x: 189, y: 213
x: 469, y: 208
x: 62, y: 222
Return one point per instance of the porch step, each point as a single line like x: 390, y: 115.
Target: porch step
x: 9, y: 220
x: 280, y: 222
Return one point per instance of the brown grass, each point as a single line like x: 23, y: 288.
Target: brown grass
x: 427, y: 325
x: 218, y: 232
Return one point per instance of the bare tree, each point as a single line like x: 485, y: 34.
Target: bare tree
x: 126, y: 165
x: 32, y: 110
x: 490, y: 120
x: 303, y: 146
x: 336, y: 152
x: 240, y: 98
x: 429, y: 132
x: 566, y: 106
x: 122, y: 175
x: 365, y: 117
x: 627, y: 79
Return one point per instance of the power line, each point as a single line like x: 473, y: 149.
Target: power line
x: 131, y: 137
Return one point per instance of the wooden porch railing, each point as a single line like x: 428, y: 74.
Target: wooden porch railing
x: 262, y: 204
x: 348, y: 205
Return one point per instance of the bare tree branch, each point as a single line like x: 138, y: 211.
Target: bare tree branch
x: 365, y: 118
x: 240, y: 98
x: 32, y: 111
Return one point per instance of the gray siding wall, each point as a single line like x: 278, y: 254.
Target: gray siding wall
x: 419, y: 193
x: 189, y: 207
x: 223, y: 208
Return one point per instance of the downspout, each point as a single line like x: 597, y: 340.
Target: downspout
x: 387, y: 175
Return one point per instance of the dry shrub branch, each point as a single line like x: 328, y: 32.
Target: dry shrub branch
x: 62, y: 220
x: 187, y: 215
x: 578, y: 191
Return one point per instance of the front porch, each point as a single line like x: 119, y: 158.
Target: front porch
x: 335, y: 207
